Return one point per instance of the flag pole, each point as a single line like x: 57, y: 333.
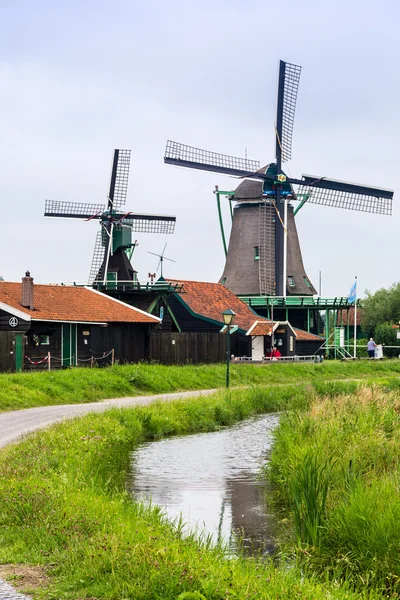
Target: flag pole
x: 355, y: 323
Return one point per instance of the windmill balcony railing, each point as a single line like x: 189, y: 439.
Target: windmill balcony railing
x: 127, y: 286
x: 298, y: 302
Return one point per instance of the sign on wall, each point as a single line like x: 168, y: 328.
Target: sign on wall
x: 339, y: 337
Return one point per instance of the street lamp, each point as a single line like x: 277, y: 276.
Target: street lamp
x: 229, y: 317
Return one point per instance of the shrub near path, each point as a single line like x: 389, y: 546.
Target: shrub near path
x: 71, y: 386
x: 64, y: 507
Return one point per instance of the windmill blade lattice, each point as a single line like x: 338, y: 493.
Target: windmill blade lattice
x: 98, y: 258
x: 120, y: 177
x: 291, y: 79
x: 72, y: 210
x: 148, y: 223
x: 196, y: 158
x: 344, y: 195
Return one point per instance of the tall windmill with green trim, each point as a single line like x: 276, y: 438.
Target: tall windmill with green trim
x: 114, y: 244
x: 264, y: 255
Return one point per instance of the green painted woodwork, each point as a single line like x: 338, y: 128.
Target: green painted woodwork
x: 272, y: 181
x: 221, y: 224
x: 19, y: 351
x: 297, y: 302
x: 153, y: 306
x: 111, y: 280
x: 74, y: 344
x: 68, y: 357
x: 122, y: 236
x: 218, y: 195
x: 304, y: 198
x: 174, y: 319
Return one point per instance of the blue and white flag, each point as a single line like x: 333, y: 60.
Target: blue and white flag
x: 353, y: 292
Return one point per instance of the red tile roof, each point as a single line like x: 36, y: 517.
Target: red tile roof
x: 70, y: 303
x: 304, y: 336
x: 262, y: 328
x: 342, y: 316
x: 265, y: 328
x: 210, y: 300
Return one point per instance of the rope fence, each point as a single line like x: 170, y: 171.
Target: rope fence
x: 72, y: 361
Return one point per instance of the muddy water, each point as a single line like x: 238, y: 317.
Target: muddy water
x: 212, y: 480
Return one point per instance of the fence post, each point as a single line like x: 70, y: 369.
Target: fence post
x: 112, y: 357
x: 91, y: 362
x: 49, y: 361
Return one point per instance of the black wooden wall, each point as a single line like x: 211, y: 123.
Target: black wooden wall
x: 190, y: 347
x: 129, y: 341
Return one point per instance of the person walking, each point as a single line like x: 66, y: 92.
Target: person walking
x: 371, y: 348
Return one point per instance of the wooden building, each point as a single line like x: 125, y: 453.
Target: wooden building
x: 191, y: 313
x: 289, y: 340
x: 71, y: 325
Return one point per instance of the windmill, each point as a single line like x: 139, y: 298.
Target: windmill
x: 264, y: 256
x: 113, y: 247
x: 160, y: 262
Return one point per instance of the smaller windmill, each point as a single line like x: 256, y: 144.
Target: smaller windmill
x: 114, y: 246
x: 162, y: 258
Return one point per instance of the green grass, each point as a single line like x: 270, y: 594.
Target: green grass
x: 87, y: 385
x: 63, y: 505
x: 337, y: 469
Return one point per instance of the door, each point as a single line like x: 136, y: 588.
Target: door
x: 111, y: 280
x: 19, y: 352
x: 68, y: 357
x: 257, y: 347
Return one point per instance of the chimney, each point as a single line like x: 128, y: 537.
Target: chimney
x: 27, y: 291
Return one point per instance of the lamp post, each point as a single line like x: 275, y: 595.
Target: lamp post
x: 228, y: 316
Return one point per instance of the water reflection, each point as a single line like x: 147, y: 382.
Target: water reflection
x: 211, y: 479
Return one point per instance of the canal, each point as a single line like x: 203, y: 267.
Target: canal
x: 212, y: 480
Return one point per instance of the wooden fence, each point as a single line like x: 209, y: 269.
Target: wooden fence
x: 182, y: 348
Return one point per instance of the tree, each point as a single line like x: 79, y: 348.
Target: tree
x: 381, y: 307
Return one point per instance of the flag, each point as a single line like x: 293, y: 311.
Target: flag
x: 353, y: 292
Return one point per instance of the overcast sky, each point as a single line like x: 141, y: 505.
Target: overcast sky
x: 80, y: 78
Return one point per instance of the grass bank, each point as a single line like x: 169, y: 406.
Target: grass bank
x: 64, y: 506
x: 337, y: 469
x: 25, y: 390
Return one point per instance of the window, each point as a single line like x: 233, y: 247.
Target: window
x: 223, y: 280
x: 308, y: 284
x: 256, y: 252
x: 291, y: 281
x: 44, y: 340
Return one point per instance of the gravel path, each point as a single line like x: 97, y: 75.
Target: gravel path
x: 14, y: 425
x: 8, y: 593
x: 17, y: 423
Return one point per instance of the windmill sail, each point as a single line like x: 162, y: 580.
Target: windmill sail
x: 195, y: 158
x: 98, y: 258
x: 289, y: 78
x: 119, y: 178
x: 73, y: 210
x: 341, y: 194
